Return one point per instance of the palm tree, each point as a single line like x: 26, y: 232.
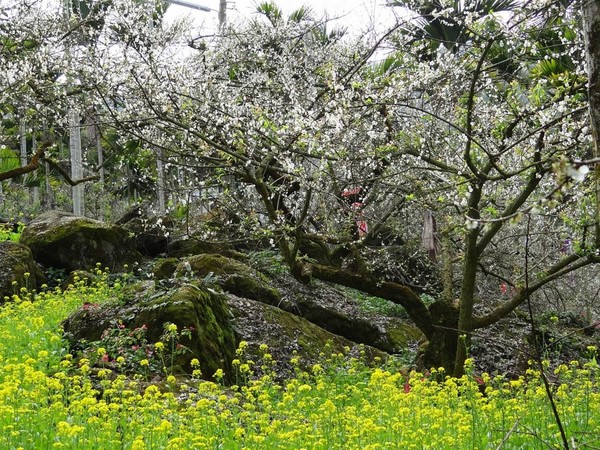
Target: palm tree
x: 448, y: 31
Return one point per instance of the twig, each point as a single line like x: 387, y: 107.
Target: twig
x: 511, y: 431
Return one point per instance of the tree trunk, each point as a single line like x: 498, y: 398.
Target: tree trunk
x: 76, y: 161
x: 440, y: 351
x: 469, y: 279
x: 591, y: 31
x: 465, y: 315
x: 222, y: 12
x: 160, y: 171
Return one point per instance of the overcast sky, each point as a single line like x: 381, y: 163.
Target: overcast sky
x: 356, y: 15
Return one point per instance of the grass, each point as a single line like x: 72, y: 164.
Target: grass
x: 50, y: 398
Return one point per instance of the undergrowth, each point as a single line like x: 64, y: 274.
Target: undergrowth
x: 51, y: 399
x: 11, y: 231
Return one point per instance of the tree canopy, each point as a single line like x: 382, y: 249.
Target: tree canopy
x: 449, y: 177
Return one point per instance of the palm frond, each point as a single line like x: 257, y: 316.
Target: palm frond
x: 301, y: 14
x: 271, y: 11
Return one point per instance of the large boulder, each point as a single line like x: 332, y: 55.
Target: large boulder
x: 217, y: 321
x: 203, y: 313
x: 62, y: 240
x: 288, y: 337
x: 329, y: 307
x: 17, y: 269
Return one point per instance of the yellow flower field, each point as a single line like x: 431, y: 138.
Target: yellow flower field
x: 52, y: 399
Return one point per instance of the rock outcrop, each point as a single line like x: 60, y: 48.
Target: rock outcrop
x: 17, y: 269
x: 202, y: 313
x: 218, y: 295
x: 216, y: 323
x: 62, y: 240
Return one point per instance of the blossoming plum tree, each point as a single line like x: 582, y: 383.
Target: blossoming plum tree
x: 337, y: 160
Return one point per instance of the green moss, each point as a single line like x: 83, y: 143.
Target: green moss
x: 401, y: 334
x: 165, y: 268
x: 71, y: 243
x: 286, y: 335
x: 212, y: 340
x: 217, y: 264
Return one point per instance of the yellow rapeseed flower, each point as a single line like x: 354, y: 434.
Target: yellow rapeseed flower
x: 138, y: 444
x: 164, y: 427
x: 219, y: 374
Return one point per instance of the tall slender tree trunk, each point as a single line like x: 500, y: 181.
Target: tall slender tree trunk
x: 23, y: 144
x: 76, y: 161
x: 222, y: 12
x: 100, y: 151
x: 35, y: 189
x: 49, y: 194
x: 23, y: 141
x: 591, y: 29
x: 160, y: 170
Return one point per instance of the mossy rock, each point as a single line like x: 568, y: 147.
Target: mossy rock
x: 61, y: 240
x: 165, y: 268
x: 16, y: 260
x: 338, y: 311
x: 288, y: 335
x: 398, y: 335
x: 321, y: 312
x: 204, y: 313
x: 233, y: 276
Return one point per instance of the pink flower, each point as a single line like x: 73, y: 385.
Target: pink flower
x: 349, y: 192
